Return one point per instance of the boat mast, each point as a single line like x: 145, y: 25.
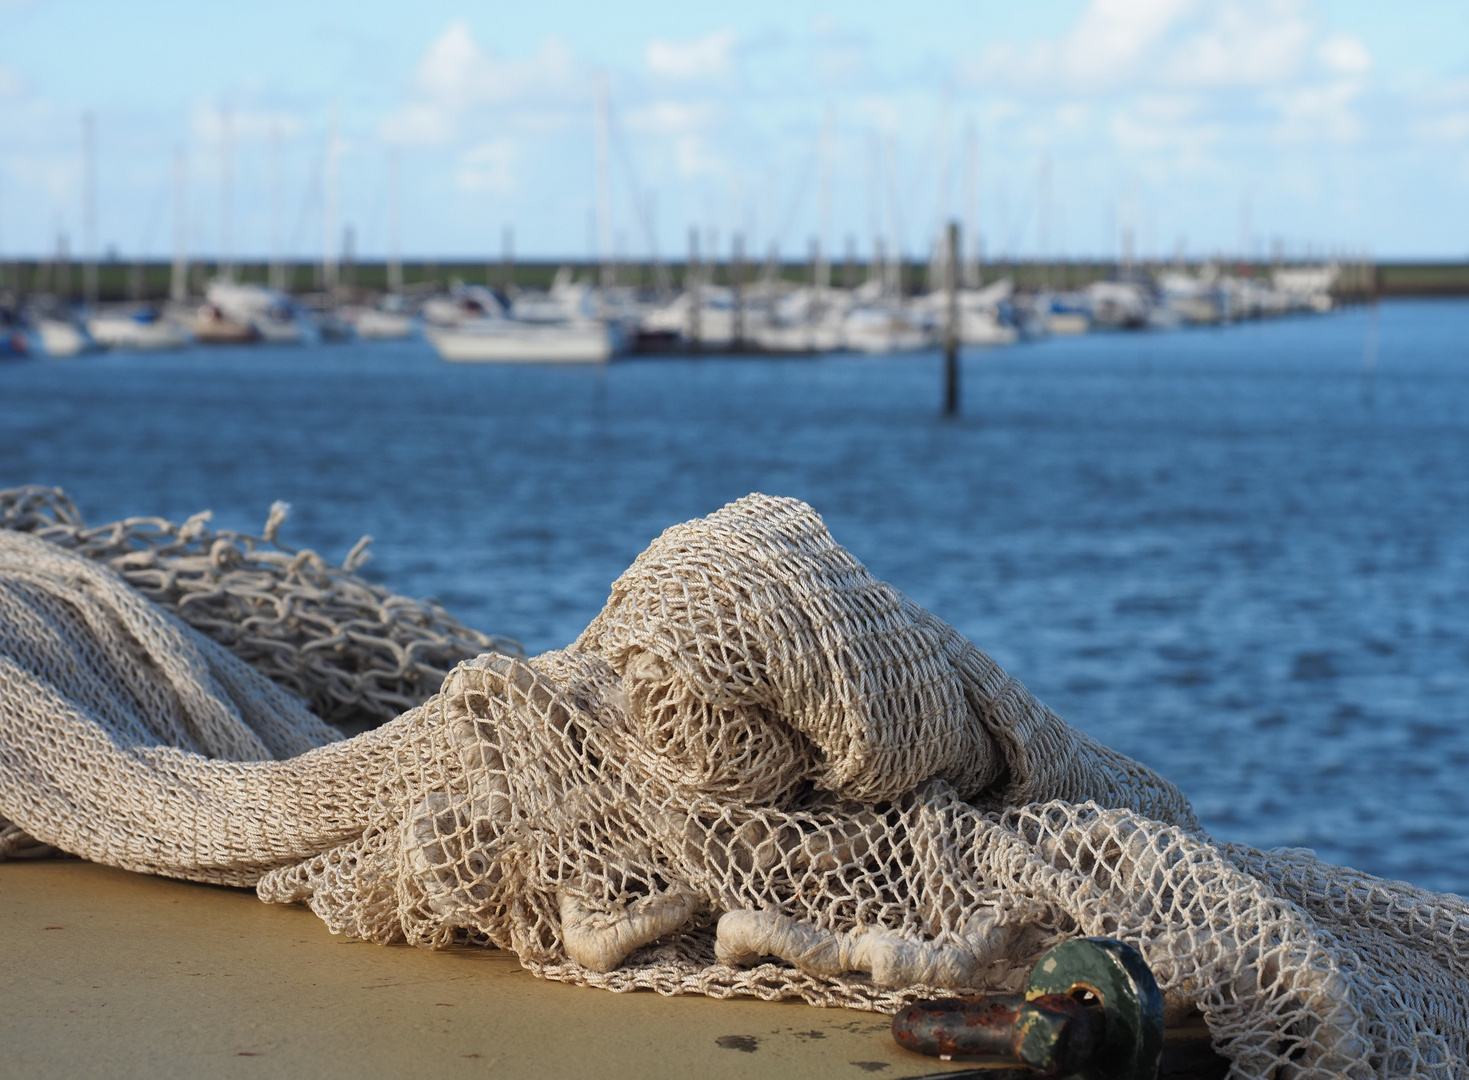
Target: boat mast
x: 395, y: 224
x: 972, y: 276
x: 329, y: 204
x: 226, y: 194
x: 822, y: 258
x: 602, y: 132
x: 277, y: 241
x: 178, y: 286
x: 895, y: 284
x: 937, y: 269
x: 1043, y: 218
x: 876, y: 268
x: 89, y: 208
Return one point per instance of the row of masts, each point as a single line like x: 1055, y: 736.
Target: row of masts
x: 338, y: 242
x: 148, y: 281
x: 225, y: 262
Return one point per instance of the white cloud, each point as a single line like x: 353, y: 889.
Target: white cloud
x: 1345, y: 55
x: 1311, y: 113
x: 1442, y: 114
x: 489, y: 167
x: 1121, y: 44
x: 1242, y: 44
x: 418, y: 123
x: 1166, y: 130
x: 456, y: 70
x: 693, y: 159
x: 458, y: 78
x: 1447, y: 128
x: 1111, y: 39
x: 670, y: 117
x: 1107, y: 47
x: 1451, y: 93
x: 707, y: 57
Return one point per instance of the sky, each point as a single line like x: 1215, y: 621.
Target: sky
x: 1072, y: 128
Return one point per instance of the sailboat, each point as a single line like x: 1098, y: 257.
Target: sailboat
x: 389, y: 321
x: 139, y: 330
x: 237, y: 312
x: 879, y: 322
x: 61, y: 336
x: 562, y: 327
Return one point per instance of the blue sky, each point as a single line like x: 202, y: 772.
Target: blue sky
x: 1059, y: 127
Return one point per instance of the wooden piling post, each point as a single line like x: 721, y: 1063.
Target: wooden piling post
x: 951, y: 320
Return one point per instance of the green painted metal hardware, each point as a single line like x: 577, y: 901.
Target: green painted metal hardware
x: 1092, y: 1010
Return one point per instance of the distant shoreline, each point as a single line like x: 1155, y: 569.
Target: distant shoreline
x: 120, y: 280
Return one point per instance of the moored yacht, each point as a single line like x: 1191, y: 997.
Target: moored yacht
x: 515, y: 341
x: 268, y: 313
x: 140, y: 330
x: 62, y: 336
x: 482, y: 330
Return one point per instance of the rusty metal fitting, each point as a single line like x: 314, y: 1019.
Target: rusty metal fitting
x: 1092, y: 1010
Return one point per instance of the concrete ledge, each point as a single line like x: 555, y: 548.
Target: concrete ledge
x: 112, y: 974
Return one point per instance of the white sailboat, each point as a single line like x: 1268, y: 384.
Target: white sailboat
x: 980, y: 322
x: 563, y: 329
x: 809, y: 319
x: 139, y: 330
x: 512, y: 341
x: 714, y: 327
x: 1306, y: 288
x: 270, y: 314
x: 885, y: 327
x: 64, y: 337
x: 1119, y: 304
x: 386, y: 322
x: 465, y: 303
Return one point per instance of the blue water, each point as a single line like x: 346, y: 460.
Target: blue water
x: 1221, y: 551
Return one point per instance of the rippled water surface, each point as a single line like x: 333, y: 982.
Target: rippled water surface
x: 1221, y: 551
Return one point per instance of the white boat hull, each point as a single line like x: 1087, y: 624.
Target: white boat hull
x: 813, y: 338
x: 506, y: 342
x: 383, y: 326
x: 275, y: 331
x: 123, y: 332
x: 60, y: 338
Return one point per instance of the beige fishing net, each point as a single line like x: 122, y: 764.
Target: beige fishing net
x: 759, y: 771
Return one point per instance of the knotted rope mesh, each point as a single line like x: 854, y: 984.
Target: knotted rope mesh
x: 759, y: 771
x: 356, y: 652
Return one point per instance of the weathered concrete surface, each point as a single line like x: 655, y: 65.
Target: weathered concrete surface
x: 104, y: 973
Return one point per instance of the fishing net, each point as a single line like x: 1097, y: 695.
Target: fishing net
x: 356, y: 652
x: 759, y: 771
